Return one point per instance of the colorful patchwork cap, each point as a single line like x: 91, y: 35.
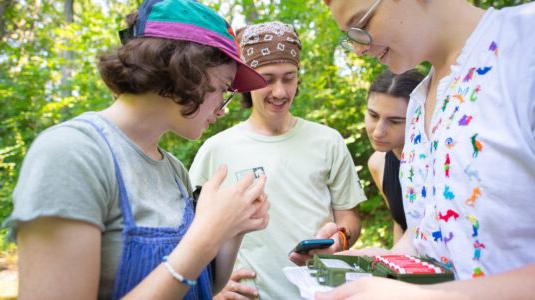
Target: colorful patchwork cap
x: 189, y: 20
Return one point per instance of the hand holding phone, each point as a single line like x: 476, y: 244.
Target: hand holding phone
x: 306, y: 245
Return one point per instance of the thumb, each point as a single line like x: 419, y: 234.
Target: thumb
x: 219, y: 176
x: 257, y: 189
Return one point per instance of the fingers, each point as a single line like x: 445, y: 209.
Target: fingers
x: 258, y: 223
x: 257, y: 189
x: 242, y: 274
x: 299, y: 259
x: 218, y: 177
x: 236, y: 290
x: 337, y: 246
x: 327, y: 231
x: 261, y: 209
x: 330, y: 250
x: 244, y: 290
x: 244, y: 183
x: 255, y: 222
x: 228, y: 295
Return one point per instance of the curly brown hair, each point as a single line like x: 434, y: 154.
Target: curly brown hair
x: 172, y: 68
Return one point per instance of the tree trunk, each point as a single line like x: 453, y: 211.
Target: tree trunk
x: 66, y: 70
x: 69, y: 11
x: 3, y: 8
x: 250, y: 11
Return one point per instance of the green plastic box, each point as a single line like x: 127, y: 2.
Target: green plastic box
x: 334, y: 270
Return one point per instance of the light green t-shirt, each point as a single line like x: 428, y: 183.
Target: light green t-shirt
x: 309, y: 173
x: 69, y: 173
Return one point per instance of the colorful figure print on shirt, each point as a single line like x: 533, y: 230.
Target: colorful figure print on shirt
x: 465, y: 120
x: 450, y: 143
x: 446, y: 262
x: 477, y: 250
x: 494, y: 48
x: 484, y: 70
x: 448, y: 194
x: 411, y: 195
x: 471, y: 201
x: 477, y: 272
x: 472, y: 173
x: 454, y: 162
x: 459, y: 97
x: 473, y: 96
x: 477, y: 146
x: 449, y: 214
x: 445, y: 103
x: 447, y: 165
x: 475, y: 225
x: 451, y: 117
x: 470, y: 75
x: 437, y: 235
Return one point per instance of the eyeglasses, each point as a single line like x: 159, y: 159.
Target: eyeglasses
x: 356, y: 35
x: 228, y: 96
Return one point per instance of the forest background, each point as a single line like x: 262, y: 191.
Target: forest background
x: 48, y: 54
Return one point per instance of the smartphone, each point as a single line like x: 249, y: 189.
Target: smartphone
x: 306, y: 245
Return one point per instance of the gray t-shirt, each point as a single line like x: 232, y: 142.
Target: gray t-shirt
x: 69, y: 173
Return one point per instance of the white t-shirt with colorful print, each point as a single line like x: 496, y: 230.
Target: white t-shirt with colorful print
x: 469, y: 186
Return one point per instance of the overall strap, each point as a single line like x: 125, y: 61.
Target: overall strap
x: 123, y: 196
x: 182, y: 188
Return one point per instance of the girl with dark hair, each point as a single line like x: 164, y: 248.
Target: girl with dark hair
x: 100, y: 210
x: 388, y: 98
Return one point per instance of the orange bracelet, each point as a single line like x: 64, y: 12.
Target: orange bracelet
x: 344, y: 237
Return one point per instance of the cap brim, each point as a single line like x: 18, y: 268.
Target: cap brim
x: 247, y: 79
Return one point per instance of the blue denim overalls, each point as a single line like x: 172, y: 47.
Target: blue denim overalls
x: 145, y: 247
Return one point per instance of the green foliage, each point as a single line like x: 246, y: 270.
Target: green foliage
x: 33, y: 93
x: 498, y: 3
x: 40, y: 48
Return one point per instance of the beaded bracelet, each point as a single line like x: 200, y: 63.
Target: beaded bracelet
x: 175, y: 274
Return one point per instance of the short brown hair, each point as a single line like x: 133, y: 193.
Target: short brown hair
x: 171, y: 68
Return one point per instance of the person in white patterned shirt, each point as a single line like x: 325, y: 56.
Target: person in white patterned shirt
x: 467, y: 168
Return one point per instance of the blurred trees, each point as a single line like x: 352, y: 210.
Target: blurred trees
x: 48, y: 74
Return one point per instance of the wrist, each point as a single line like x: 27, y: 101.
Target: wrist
x: 198, y: 240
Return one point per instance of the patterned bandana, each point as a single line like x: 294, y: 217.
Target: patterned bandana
x: 269, y: 43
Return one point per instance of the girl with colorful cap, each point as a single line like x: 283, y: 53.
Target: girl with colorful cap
x: 100, y: 210
x: 467, y: 166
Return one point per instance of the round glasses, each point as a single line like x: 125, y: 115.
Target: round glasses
x: 356, y: 36
x: 228, y: 96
